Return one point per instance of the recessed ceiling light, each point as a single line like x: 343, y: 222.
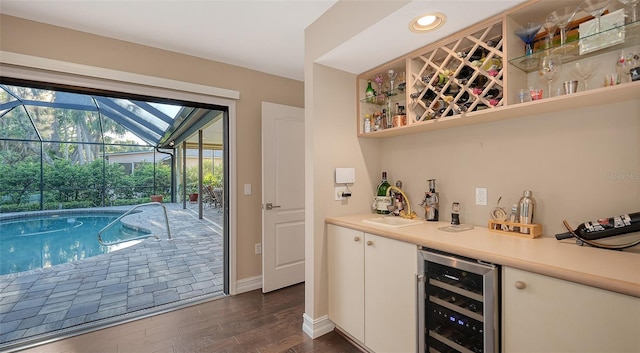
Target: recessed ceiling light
x: 427, y: 22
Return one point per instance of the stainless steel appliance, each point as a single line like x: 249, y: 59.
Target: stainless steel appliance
x: 458, y: 304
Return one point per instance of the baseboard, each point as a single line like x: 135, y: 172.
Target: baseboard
x: 315, y: 328
x: 248, y: 284
x: 352, y: 340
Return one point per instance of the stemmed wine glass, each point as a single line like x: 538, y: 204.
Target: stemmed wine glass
x: 632, y: 3
x: 550, y: 25
x: 550, y: 68
x: 392, y: 77
x: 595, y: 8
x: 562, y: 17
x: 585, y: 70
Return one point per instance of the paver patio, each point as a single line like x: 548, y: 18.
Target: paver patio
x: 130, y: 282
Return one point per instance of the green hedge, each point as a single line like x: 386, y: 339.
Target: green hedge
x: 68, y: 185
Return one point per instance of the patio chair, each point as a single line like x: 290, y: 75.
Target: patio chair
x: 210, y: 198
x: 217, y: 192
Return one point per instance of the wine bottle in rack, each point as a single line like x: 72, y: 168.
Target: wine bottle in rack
x: 493, y: 92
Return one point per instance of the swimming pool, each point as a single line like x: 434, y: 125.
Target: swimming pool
x: 45, y: 240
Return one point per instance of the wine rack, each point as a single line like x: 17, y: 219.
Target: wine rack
x: 463, y: 75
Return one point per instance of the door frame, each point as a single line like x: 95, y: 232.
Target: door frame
x: 34, y: 68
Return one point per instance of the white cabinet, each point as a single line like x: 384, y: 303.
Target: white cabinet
x: 372, y: 289
x: 345, y: 256
x: 544, y: 314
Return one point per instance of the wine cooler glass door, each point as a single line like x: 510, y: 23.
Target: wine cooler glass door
x: 459, y: 308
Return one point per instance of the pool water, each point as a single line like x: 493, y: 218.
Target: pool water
x: 45, y: 241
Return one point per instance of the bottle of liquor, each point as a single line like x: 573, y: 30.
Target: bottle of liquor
x: 382, y: 193
x: 398, y: 199
x: 367, y: 123
x: 377, y: 121
x: 526, y: 208
x: 384, y: 119
x: 606, y: 227
x: 369, y: 93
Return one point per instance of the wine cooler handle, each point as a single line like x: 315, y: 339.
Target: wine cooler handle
x: 419, y: 288
x: 520, y: 285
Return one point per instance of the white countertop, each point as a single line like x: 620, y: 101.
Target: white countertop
x: 617, y: 271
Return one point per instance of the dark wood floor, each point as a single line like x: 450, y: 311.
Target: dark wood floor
x: 248, y: 322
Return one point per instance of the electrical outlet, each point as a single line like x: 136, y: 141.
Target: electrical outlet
x: 481, y: 196
x: 338, y: 193
x: 258, y: 248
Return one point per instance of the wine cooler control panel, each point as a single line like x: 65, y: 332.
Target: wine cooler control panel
x: 459, y: 305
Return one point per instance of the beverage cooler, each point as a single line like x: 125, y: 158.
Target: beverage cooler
x: 459, y: 305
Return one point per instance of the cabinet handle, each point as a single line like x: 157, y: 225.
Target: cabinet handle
x: 369, y: 242
x: 356, y: 238
x: 520, y: 285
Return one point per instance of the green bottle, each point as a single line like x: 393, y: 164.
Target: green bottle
x: 382, y: 192
x: 369, y: 93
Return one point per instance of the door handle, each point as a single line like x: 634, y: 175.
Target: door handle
x: 270, y: 206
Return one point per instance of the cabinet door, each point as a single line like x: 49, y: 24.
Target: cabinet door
x: 345, y: 256
x: 390, y: 295
x: 552, y: 315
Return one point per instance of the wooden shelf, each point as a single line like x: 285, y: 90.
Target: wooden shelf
x: 595, y: 97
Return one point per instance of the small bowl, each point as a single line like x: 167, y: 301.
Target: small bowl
x: 570, y: 87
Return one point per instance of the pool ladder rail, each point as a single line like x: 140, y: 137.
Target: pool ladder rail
x: 166, y: 220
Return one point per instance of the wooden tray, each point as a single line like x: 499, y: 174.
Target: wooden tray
x: 535, y: 230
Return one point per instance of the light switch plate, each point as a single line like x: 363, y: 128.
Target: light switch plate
x: 247, y: 189
x: 481, y: 196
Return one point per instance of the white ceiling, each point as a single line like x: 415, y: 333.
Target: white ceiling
x: 262, y: 35
x: 391, y: 38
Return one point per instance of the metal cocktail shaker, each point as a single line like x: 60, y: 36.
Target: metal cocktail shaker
x: 526, y: 208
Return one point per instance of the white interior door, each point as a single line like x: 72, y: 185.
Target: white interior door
x: 282, y: 196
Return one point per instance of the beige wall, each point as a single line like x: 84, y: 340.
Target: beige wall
x: 580, y: 164
x: 330, y: 140
x: 41, y: 40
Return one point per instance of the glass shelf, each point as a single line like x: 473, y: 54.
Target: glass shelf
x: 570, y: 51
x: 381, y: 99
